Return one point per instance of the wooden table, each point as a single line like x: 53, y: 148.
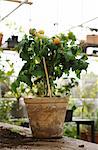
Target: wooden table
x: 19, y: 138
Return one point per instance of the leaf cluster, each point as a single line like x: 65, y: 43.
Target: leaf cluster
x: 62, y: 55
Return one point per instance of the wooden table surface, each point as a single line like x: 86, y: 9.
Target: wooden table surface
x: 19, y: 138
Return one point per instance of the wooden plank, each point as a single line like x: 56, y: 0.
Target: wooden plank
x: 9, y: 49
x: 8, y: 99
x: 20, y: 138
x: 19, y: 1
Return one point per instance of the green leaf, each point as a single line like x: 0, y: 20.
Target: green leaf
x: 38, y: 71
x: 71, y: 36
x: 24, y: 56
x: 14, y: 86
x: 26, y: 78
x: 9, y: 73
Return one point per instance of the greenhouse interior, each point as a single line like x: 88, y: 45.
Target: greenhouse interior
x: 48, y: 74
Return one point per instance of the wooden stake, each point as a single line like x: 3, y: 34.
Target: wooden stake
x: 47, y: 78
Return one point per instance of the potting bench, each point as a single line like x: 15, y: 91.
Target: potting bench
x: 22, y: 140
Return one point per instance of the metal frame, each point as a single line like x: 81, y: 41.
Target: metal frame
x: 19, y: 1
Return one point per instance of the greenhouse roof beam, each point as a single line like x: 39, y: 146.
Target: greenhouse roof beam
x: 19, y: 1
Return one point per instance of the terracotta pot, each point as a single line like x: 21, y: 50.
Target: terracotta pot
x: 92, y: 39
x: 84, y: 136
x: 96, y: 136
x: 46, y: 116
x: 1, y: 37
x: 87, y: 136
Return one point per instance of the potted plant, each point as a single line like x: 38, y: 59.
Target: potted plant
x: 47, y: 60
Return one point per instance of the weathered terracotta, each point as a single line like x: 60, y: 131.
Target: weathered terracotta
x: 46, y: 116
x: 1, y: 37
x: 87, y: 136
x: 92, y: 39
